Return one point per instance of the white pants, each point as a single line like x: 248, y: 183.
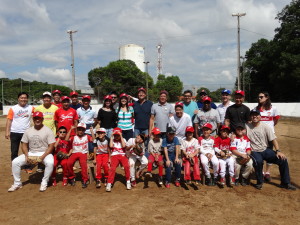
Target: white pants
x: 227, y: 162
x: 132, y: 159
x: 20, y: 161
x: 246, y: 169
x: 205, y: 164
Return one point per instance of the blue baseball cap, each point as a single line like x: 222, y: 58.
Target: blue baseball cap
x: 226, y: 91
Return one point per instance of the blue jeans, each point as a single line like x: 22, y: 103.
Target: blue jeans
x: 270, y: 157
x: 169, y: 169
x: 109, y: 132
x: 137, y: 132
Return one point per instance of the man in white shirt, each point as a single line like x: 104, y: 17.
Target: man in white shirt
x: 226, y: 96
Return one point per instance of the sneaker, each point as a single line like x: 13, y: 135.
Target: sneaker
x: 43, y: 187
x: 177, y: 183
x: 222, y: 181
x: 258, y: 186
x: 231, y: 182
x: 167, y: 185
x: 105, y: 182
x: 288, y: 187
x: 208, y: 181
x: 54, y: 182
x: 65, y: 181
x: 98, y: 183
x: 133, y: 183
x: 128, y: 185
x: 39, y: 170
x: 236, y: 182
x: 160, y: 180
x: 84, y: 184
x: 267, y: 177
x: 197, y: 182
x: 188, y: 182
x: 148, y: 174
x: 244, y: 182
x: 72, y: 182
x: 108, y: 187
x: 214, y: 182
x: 14, y: 187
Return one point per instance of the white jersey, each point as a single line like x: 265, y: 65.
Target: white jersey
x: 20, y: 117
x: 207, y: 145
x: 102, y: 146
x: 117, y: 148
x: 190, y: 146
x: 80, y: 144
x: 240, y: 144
x: 222, y: 110
x: 131, y: 142
x: 180, y: 124
x: 268, y: 116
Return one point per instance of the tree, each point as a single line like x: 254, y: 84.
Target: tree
x: 202, y: 88
x: 120, y: 76
x: 171, y: 84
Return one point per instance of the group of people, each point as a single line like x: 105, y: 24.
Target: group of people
x: 228, y: 138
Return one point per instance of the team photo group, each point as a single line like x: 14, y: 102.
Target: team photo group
x: 186, y: 143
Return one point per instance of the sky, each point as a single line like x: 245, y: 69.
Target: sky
x: 199, y: 37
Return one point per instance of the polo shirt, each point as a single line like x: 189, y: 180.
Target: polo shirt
x: 189, y: 108
x: 87, y: 116
x: 142, y: 113
x: 237, y: 114
x: 162, y: 113
x: 77, y: 106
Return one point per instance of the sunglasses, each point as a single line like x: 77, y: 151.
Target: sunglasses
x: 261, y: 97
x: 187, y: 96
x: 114, y: 97
x: 202, y: 94
x: 100, y: 132
x: 62, y: 132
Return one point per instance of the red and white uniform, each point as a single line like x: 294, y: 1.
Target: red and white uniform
x: 102, y: 157
x: 80, y: 150
x: 66, y: 118
x: 190, y: 147
x: 268, y: 116
x: 63, y: 146
x: 207, y: 146
x: 224, y: 144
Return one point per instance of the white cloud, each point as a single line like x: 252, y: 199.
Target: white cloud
x: 2, y: 74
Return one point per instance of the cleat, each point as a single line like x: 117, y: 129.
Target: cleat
x: 43, y: 187
x: 98, y: 183
x: 160, y: 180
x: 14, y: 187
x: 108, y: 187
x: 65, y: 181
x: 128, y: 185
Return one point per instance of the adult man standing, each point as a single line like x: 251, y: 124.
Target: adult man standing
x: 37, y: 141
x: 260, y: 134
x: 180, y: 121
x: 18, y: 120
x: 56, y: 98
x: 114, y: 99
x: 238, y: 112
x: 189, y: 106
x: 202, y: 95
x: 160, y: 113
x: 226, y: 96
x: 142, y: 113
x: 74, y: 100
x: 206, y: 115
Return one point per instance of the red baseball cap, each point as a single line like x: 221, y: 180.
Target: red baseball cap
x: 156, y: 130
x: 38, y: 114
x: 224, y: 128
x: 56, y: 92
x: 65, y: 98
x: 107, y: 97
x: 86, y: 97
x: 206, y: 99
x: 117, y: 130
x: 180, y: 104
x: 163, y: 92
x: 208, y: 125
x: 189, y: 129
x: 123, y: 95
x: 240, y: 92
x: 142, y: 89
x: 73, y: 93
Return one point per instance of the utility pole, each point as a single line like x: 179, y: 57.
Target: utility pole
x: 238, y: 15
x: 2, y: 95
x: 72, y: 55
x: 159, y: 59
x: 243, y: 71
x: 147, y: 62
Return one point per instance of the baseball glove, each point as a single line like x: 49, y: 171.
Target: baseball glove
x: 242, y: 161
x: 138, y: 149
x: 227, y: 154
x: 91, y: 156
x: 61, y: 155
x: 33, y: 160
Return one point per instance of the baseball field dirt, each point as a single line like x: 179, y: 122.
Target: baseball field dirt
x: 153, y: 205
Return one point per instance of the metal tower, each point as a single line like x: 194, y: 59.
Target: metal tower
x: 159, y: 59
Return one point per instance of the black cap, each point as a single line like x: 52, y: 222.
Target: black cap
x: 242, y: 125
x: 255, y: 111
x: 171, y: 130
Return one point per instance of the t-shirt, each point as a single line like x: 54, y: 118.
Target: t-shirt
x: 200, y: 105
x: 189, y: 108
x: 131, y: 142
x: 241, y: 144
x: 180, y: 124
x: 259, y: 136
x: 211, y: 116
x: 237, y: 114
x: 125, y: 119
x: 20, y: 117
x: 80, y: 144
x: 77, y: 106
x: 66, y: 118
x: 87, y: 116
x: 207, y: 145
x: 48, y: 116
x: 268, y: 116
x: 222, y: 144
x: 222, y: 110
x: 155, y: 147
x: 102, y: 146
x: 117, y: 148
x: 142, y: 113
x: 38, y: 140
x: 170, y: 145
x: 108, y: 119
x: 63, y: 146
x: 162, y: 114
x: 190, y: 146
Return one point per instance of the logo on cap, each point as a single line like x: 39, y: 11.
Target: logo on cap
x: 206, y: 99
x: 156, y: 130
x: 189, y: 129
x: 208, y: 125
x: 73, y: 93
x: 180, y: 104
x: 240, y: 92
x: 82, y: 125
x: 65, y: 98
x: 38, y: 114
x: 56, y: 92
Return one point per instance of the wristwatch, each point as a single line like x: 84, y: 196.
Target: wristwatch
x: 277, y: 151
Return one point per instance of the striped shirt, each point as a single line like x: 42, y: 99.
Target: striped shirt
x: 125, y: 119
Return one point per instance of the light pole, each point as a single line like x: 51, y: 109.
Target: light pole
x: 72, y: 55
x: 238, y: 15
x: 146, y: 63
x: 243, y: 71
x: 2, y: 95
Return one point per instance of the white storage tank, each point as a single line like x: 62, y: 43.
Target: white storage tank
x: 135, y: 53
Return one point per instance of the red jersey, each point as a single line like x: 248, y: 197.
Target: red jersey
x: 59, y: 105
x: 63, y: 146
x: 66, y: 118
x: 222, y: 144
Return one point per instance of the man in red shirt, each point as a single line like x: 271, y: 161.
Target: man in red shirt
x: 66, y: 116
x: 56, y: 97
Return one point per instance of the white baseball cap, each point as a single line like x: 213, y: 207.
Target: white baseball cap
x: 82, y: 125
x: 47, y: 93
x: 101, y: 130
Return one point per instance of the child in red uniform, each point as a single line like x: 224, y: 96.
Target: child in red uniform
x: 102, y: 155
x: 61, y: 145
x: 117, y: 145
x: 80, y: 152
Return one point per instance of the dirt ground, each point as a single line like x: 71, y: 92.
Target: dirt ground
x: 153, y: 205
